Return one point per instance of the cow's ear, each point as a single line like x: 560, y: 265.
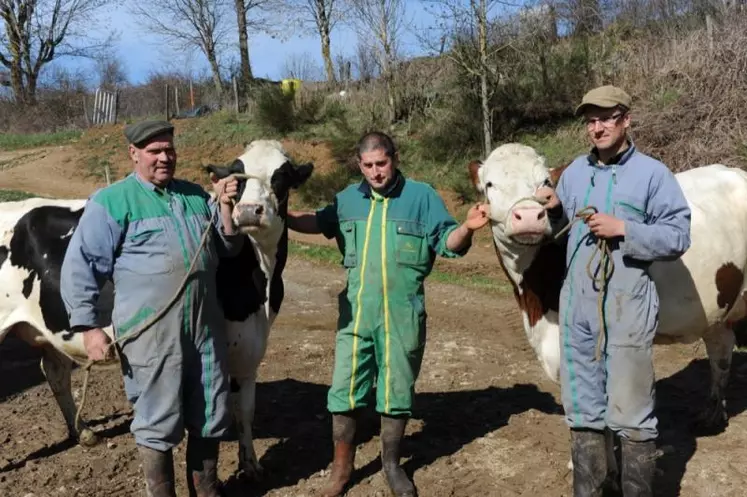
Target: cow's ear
x: 301, y: 174
x: 555, y: 174
x: 474, y: 174
x: 219, y: 171
x: 223, y: 171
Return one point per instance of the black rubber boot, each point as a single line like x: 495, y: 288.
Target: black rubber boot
x: 343, y: 433
x: 202, y: 467
x: 589, y: 456
x: 158, y: 468
x: 638, y: 468
x: 392, y: 430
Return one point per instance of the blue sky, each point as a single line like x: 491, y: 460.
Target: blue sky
x: 140, y: 53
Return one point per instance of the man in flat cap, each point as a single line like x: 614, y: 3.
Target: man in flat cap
x: 142, y: 233
x: 644, y: 217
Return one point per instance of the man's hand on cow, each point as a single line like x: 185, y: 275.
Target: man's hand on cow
x: 96, y: 343
x: 227, y: 188
x: 606, y: 226
x: 477, y: 217
x: 547, y: 195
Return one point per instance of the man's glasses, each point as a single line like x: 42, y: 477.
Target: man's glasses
x: 607, y: 122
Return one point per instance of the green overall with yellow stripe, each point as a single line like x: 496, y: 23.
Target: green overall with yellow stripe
x: 389, y: 243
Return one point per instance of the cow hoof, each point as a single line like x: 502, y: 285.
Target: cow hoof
x: 88, y: 438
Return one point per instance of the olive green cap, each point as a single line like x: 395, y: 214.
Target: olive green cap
x: 605, y: 97
x: 138, y: 133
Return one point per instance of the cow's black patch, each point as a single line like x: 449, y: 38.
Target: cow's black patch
x: 221, y: 172
x: 39, y: 242
x: 3, y: 254
x: 241, y: 284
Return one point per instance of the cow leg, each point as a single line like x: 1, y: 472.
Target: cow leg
x: 57, y: 368
x: 243, y: 403
x: 719, y: 342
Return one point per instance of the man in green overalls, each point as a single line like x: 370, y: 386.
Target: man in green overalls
x: 389, y: 230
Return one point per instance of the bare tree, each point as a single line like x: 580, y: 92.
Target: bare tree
x: 466, y: 25
x: 301, y: 66
x: 321, y: 16
x: 189, y: 24
x: 111, y: 72
x: 250, y: 15
x: 385, y: 20
x: 36, y: 32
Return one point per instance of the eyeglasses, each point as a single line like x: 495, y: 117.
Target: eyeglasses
x: 607, y: 122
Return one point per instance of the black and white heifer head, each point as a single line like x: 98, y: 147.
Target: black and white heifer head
x: 263, y: 193
x: 509, y: 179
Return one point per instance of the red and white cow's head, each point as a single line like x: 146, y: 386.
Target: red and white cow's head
x: 270, y: 174
x: 509, y: 179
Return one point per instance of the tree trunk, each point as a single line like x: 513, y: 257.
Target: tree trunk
x: 482, y: 26
x: 16, y: 82
x: 31, y: 80
x: 217, y: 82
x: 327, y: 55
x: 246, y: 68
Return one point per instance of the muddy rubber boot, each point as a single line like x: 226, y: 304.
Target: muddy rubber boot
x: 343, y: 433
x: 202, y: 467
x: 158, y: 469
x: 589, y: 455
x: 392, y: 430
x: 638, y: 468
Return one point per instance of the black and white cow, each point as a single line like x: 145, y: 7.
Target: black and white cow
x: 34, y: 235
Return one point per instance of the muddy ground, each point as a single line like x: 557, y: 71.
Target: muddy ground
x: 487, y: 421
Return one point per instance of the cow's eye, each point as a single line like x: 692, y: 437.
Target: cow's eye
x: 489, y: 184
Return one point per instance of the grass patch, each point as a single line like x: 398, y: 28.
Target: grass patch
x: 14, y: 195
x: 9, y: 141
x: 331, y: 256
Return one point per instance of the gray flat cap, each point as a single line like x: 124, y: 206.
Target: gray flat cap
x: 138, y: 133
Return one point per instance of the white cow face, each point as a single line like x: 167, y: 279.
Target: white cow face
x: 263, y: 195
x: 509, y: 179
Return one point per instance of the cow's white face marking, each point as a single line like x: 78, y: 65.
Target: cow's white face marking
x: 258, y: 207
x: 509, y: 179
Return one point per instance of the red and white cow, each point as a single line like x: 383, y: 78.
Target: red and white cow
x: 701, y: 294
x: 34, y: 235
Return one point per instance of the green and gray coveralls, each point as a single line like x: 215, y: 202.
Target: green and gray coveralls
x: 389, y: 243
x: 143, y: 238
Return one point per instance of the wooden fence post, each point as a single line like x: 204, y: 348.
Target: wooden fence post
x: 235, y: 94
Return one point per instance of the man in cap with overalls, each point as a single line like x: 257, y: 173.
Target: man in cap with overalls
x: 643, y: 216
x: 142, y: 233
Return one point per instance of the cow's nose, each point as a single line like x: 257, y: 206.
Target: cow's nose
x: 249, y: 214
x: 532, y: 214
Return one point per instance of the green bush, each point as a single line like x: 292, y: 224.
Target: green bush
x: 274, y: 110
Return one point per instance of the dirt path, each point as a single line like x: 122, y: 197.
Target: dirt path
x: 487, y: 421
x: 49, y: 171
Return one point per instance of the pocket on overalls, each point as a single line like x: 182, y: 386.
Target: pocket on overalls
x: 350, y: 252
x: 147, y: 252
x: 630, y: 208
x: 416, y: 340
x: 410, y: 249
x: 632, y: 316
